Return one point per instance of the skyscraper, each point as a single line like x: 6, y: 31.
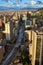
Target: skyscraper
x: 5, y: 20
x: 37, y: 47
x: 9, y: 30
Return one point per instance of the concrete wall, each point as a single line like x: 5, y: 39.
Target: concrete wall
x: 34, y: 40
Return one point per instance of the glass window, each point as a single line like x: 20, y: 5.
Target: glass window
x: 28, y: 22
x: 38, y: 47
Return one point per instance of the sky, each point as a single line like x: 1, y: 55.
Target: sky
x: 23, y: 3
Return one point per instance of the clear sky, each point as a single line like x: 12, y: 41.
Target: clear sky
x: 12, y: 3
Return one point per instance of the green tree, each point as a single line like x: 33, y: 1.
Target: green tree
x: 25, y: 57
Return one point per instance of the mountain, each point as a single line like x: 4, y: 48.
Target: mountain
x: 8, y: 8
x: 40, y: 9
x: 17, y: 8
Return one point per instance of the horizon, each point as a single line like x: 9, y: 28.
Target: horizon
x: 21, y: 3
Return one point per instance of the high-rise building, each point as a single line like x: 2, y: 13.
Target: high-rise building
x: 5, y: 20
x: 9, y: 30
x: 2, y: 50
x: 37, y: 47
x: 34, y: 20
x: 0, y: 23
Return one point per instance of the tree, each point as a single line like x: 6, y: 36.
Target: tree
x: 25, y: 57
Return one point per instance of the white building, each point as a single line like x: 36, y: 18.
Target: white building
x: 34, y: 20
x: 37, y: 48
x: 9, y: 30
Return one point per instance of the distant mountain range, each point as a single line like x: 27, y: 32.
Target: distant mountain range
x: 17, y: 8
x: 32, y: 5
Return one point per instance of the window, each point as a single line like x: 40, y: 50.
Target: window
x: 27, y: 22
x: 38, y: 47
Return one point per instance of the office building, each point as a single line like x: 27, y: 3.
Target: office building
x: 9, y: 30
x: 34, y: 20
x: 5, y: 20
x: 0, y: 23
x: 30, y: 51
x: 37, y: 47
x: 2, y: 50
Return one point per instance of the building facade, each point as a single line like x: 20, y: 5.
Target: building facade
x: 9, y: 30
x: 37, y: 48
